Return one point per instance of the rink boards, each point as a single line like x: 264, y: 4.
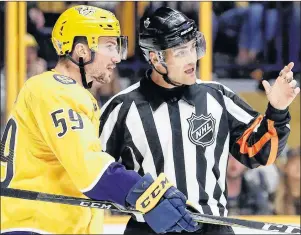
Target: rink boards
x: 116, y: 225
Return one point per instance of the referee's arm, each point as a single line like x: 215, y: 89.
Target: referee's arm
x: 255, y: 139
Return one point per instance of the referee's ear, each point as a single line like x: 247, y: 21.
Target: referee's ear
x: 156, y: 63
x: 153, y: 58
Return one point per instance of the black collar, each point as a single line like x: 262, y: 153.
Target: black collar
x: 156, y: 95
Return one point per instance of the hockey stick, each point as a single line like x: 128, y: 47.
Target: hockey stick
x: 31, y: 195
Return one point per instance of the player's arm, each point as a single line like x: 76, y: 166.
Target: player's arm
x: 68, y: 131
x: 255, y: 139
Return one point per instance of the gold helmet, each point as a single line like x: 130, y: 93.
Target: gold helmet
x: 90, y: 22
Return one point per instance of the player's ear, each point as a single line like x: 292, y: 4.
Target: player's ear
x: 81, y: 50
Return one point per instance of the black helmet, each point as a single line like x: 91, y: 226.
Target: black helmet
x: 167, y: 28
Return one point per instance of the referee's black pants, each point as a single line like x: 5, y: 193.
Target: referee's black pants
x: 136, y: 228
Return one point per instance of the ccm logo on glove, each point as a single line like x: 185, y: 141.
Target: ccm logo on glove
x: 153, y: 194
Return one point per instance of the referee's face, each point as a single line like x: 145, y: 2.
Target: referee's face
x: 181, y: 63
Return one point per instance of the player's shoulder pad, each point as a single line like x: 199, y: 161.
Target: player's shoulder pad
x: 50, y: 78
x: 50, y: 83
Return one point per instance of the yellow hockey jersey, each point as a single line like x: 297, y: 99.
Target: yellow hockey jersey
x: 51, y: 145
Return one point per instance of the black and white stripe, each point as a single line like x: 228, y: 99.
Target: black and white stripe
x: 154, y: 139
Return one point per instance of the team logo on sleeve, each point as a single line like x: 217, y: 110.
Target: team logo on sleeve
x: 64, y: 79
x: 201, y: 129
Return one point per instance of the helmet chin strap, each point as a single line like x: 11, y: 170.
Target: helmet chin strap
x: 81, y: 66
x: 165, y: 75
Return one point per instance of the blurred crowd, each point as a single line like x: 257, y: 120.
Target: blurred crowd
x: 270, y: 190
x: 251, y: 40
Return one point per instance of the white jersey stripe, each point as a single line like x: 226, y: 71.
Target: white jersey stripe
x: 135, y: 127
x: 214, y: 108
x: 161, y: 118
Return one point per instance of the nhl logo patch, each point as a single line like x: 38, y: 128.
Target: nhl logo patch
x: 201, y: 129
x: 64, y: 79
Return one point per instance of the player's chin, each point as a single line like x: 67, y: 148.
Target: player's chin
x: 104, y: 79
x: 189, y: 79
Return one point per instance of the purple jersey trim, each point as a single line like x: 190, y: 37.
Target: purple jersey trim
x: 114, y: 185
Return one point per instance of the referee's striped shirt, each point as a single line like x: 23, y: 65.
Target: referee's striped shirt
x: 188, y: 132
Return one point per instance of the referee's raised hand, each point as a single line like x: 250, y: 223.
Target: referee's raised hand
x: 282, y: 93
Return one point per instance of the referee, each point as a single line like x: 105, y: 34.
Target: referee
x: 172, y: 122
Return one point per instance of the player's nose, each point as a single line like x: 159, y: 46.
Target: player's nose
x: 116, y: 58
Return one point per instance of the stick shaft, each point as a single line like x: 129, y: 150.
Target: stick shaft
x: 202, y: 218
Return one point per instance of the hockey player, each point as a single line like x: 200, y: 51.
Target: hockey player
x: 172, y: 122
x: 51, y: 144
